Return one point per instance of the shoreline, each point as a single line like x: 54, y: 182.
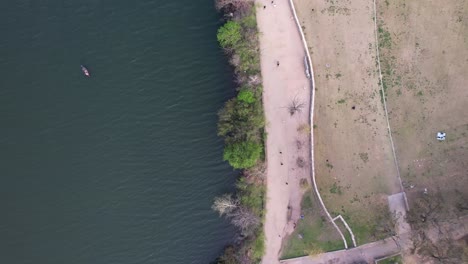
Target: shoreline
x: 241, y: 123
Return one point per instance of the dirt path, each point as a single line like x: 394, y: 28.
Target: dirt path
x: 286, y: 144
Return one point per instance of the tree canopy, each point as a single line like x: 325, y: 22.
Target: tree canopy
x: 246, y: 96
x: 242, y: 155
x: 229, y: 34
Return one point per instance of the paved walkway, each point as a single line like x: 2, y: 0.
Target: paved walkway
x: 397, y: 205
x: 366, y: 253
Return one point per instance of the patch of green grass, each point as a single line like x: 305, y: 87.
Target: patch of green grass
x: 313, y: 234
x: 345, y: 232
x: 304, y: 184
x: 341, y: 101
x: 307, y: 203
x: 385, y: 39
x: 364, y: 156
x: 398, y: 80
x: 420, y: 93
x: 329, y: 165
x: 362, y: 231
x: 258, y: 246
x: 338, y: 75
x: 393, y: 260
x: 251, y: 196
x: 384, y: 85
x: 370, y: 223
x: 387, y: 71
x: 381, y: 97
x: 335, y: 189
x: 250, y: 21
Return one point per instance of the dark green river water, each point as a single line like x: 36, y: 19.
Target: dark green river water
x: 121, y: 167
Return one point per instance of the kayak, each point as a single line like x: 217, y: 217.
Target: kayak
x: 85, y: 71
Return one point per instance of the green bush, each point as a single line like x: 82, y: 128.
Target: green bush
x: 258, y: 248
x: 251, y: 196
x: 229, y: 35
x: 248, y: 60
x: 246, y: 96
x: 228, y: 257
x: 240, y: 120
x: 250, y: 21
x: 241, y: 124
x: 242, y: 155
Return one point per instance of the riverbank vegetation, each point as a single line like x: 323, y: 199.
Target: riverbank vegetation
x: 241, y: 124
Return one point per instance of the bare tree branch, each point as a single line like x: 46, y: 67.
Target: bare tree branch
x: 257, y: 172
x: 225, y: 204
x: 295, y: 106
x: 219, y: 4
x: 245, y: 220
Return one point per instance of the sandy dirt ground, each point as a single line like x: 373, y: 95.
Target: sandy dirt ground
x: 354, y: 162
x: 424, y: 64
x: 286, y: 141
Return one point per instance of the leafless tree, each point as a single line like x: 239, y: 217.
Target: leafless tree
x: 245, y: 220
x: 225, y: 204
x: 240, y: 216
x: 233, y: 9
x: 431, y: 217
x: 255, y: 80
x: 427, y: 211
x: 256, y: 173
x: 444, y: 250
x: 295, y: 106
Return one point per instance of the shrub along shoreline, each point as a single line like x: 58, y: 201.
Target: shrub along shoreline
x: 241, y: 124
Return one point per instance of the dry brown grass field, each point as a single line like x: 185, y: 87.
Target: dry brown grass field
x: 424, y: 55
x: 423, y: 48
x: 355, y: 167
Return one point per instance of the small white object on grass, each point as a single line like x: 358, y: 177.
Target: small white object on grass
x: 441, y: 136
